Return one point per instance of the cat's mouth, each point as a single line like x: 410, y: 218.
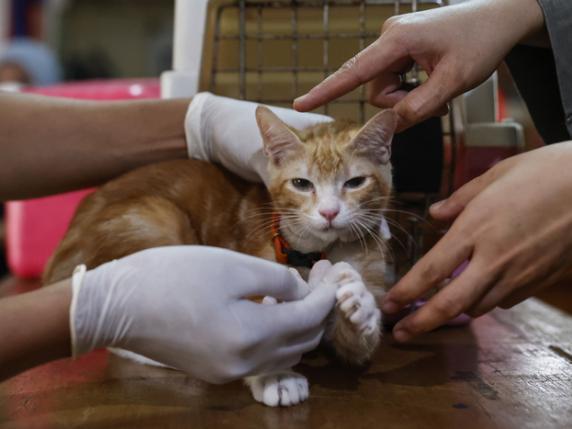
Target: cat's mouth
x: 333, y: 226
x: 332, y: 230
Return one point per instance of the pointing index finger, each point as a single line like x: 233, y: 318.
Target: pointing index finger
x: 358, y: 70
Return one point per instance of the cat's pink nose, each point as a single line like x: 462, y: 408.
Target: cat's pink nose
x: 329, y: 215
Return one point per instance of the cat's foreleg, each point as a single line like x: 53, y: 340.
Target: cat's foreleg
x: 355, y: 328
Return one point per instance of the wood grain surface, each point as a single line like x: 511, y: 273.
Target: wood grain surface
x: 508, y: 369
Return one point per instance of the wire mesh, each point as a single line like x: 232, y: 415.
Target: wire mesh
x: 271, y: 51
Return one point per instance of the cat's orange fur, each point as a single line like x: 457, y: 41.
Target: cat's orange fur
x: 173, y: 202
x: 194, y: 202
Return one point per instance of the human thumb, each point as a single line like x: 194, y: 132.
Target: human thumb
x: 319, y: 271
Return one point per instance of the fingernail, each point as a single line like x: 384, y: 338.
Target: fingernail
x: 401, y: 335
x: 389, y: 307
x: 300, y: 99
x: 437, y: 205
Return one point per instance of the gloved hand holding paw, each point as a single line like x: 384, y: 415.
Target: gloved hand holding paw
x: 186, y: 307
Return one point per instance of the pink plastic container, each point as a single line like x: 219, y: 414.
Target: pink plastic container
x: 35, y: 227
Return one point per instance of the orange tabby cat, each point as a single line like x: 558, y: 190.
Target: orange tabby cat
x: 328, y: 187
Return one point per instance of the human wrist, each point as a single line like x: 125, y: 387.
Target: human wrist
x: 527, y: 13
x: 94, y: 312
x: 512, y: 21
x: 60, y: 295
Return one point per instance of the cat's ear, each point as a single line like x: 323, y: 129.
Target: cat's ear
x: 374, y: 139
x: 279, y: 140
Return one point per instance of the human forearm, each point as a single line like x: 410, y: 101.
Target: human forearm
x: 34, y: 328
x: 50, y: 145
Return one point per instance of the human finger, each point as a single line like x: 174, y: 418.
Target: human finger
x: 448, y: 303
x: 258, y: 277
x: 364, y: 66
x: 302, y: 343
x: 437, y: 265
x: 452, y: 206
x: 386, y: 90
x: 318, y: 272
x: 290, y: 319
x: 427, y: 100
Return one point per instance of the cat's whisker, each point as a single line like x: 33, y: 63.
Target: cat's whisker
x: 378, y: 198
x: 362, y: 238
x: 411, y: 214
x: 375, y: 220
x: 395, y: 238
x: 373, y: 234
x: 399, y: 227
x: 355, y: 230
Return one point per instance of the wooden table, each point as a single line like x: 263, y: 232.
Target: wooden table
x: 508, y: 369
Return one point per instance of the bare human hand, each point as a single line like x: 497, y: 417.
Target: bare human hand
x: 514, y: 224
x: 458, y: 46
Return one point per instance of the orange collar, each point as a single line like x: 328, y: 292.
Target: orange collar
x: 288, y: 256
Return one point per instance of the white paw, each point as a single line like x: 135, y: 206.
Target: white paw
x: 283, y: 388
x: 356, y: 303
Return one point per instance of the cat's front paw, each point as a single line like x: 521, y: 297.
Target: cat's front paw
x: 283, y: 388
x: 356, y: 303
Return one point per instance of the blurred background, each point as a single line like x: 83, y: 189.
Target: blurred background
x: 95, y: 38
x: 262, y: 51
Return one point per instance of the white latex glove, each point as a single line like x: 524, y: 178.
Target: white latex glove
x: 184, y: 306
x: 224, y: 130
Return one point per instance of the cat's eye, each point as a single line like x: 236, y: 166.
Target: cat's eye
x: 302, y: 184
x: 355, y: 182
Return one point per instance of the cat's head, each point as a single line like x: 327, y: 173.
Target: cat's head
x: 330, y: 181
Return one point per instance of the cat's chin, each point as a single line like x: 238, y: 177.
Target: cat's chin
x: 347, y: 236
x: 312, y: 241
x: 327, y: 237
x: 316, y: 239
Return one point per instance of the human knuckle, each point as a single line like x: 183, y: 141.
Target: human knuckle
x: 389, y: 23
x: 440, y: 313
x: 430, y: 272
x: 396, y: 24
x: 410, y: 112
x: 448, y: 307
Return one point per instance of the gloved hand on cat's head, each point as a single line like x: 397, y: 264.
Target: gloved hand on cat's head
x: 185, y: 306
x: 224, y: 130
